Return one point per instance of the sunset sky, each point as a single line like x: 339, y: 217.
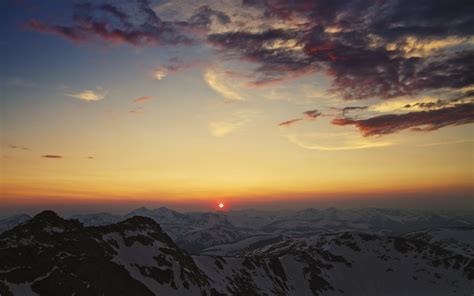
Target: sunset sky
x: 247, y: 102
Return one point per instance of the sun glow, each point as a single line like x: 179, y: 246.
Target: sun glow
x: 221, y: 205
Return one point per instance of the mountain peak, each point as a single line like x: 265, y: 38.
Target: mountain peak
x: 140, y: 220
x: 47, y: 215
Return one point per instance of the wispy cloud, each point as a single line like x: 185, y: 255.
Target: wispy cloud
x: 308, y: 115
x: 18, y: 147
x: 53, y: 156
x: 89, y: 95
x: 17, y: 82
x: 216, y: 80
x: 334, y: 142
x: 136, y: 110
x: 290, y: 122
x: 238, y: 119
x: 142, y: 99
x: 452, y: 142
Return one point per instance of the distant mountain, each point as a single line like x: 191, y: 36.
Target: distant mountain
x: 197, y: 231
x: 194, y: 241
x: 49, y: 255
x: 9, y: 223
x: 97, y: 219
x: 161, y: 215
x: 457, y: 239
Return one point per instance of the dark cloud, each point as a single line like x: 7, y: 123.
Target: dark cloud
x: 204, y: 16
x: 344, y: 111
x: 392, y: 19
x: 52, y: 156
x: 290, y: 122
x: 119, y: 14
x: 138, y: 26
x: 312, y: 114
x: 175, y: 64
x: 275, y: 64
x: 349, y: 41
x: 18, y: 147
x: 427, y: 105
x: 308, y: 115
x: 428, y: 120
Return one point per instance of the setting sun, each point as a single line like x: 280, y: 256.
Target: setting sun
x: 221, y: 205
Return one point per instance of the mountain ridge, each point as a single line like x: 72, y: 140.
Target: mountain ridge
x: 49, y: 255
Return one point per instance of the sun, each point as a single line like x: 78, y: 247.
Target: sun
x: 221, y: 205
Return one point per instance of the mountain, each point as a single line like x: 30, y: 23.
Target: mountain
x: 195, y: 240
x: 457, y: 239
x: 97, y: 219
x: 161, y: 215
x: 359, y: 263
x: 49, y: 255
x: 199, y: 231
x: 9, y: 223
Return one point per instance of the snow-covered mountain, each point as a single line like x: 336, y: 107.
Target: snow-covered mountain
x: 10, y: 222
x: 458, y: 239
x: 161, y: 215
x: 203, y: 230
x: 97, y: 219
x: 49, y: 255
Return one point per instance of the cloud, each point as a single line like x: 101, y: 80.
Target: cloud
x: 237, y: 120
x: 216, y: 80
x: 52, y: 156
x: 138, y: 101
x: 344, y: 111
x: 142, y: 99
x: 334, y: 142
x: 132, y: 22
x: 173, y: 66
x: 290, y: 122
x: 204, y: 16
x: 137, y: 110
x: 312, y: 114
x: 17, y: 82
x: 18, y: 147
x: 159, y: 73
x: 428, y: 120
x: 308, y: 115
x: 451, y: 142
x: 89, y: 95
x: 367, y: 47
x: 397, y: 51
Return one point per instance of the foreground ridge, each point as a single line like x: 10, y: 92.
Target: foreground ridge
x: 49, y: 255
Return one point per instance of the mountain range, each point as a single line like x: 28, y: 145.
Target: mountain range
x: 199, y: 232
x: 310, y: 252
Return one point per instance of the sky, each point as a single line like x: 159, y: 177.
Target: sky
x: 255, y: 103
